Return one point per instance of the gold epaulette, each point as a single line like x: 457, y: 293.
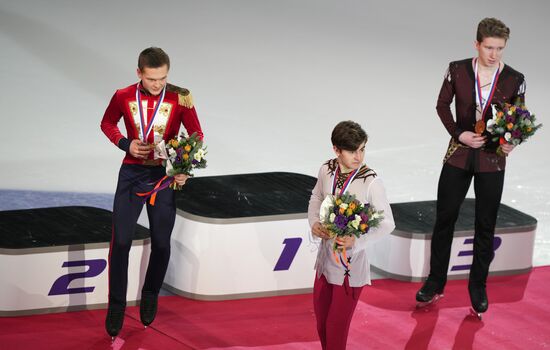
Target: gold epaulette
x: 185, y: 98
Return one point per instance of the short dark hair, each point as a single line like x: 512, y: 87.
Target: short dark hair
x: 153, y: 57
x: 492, y: 28
x: 348, y: 135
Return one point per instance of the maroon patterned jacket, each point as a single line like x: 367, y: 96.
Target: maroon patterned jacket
x: 459, y: 84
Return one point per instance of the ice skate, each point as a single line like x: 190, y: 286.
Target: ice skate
x: 429, y: 294
x: 148, y: 307
x: 478, y: 298
x: 114, y: 321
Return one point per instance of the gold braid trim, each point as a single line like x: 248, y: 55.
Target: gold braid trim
x: 453, y: 146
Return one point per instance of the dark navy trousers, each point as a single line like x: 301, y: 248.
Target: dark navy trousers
x: 127, y: 207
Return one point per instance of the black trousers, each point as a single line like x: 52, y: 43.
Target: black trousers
x: 453, y: 186
x: 126, y: 210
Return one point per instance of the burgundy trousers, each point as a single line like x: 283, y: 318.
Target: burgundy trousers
x: 334, y: 306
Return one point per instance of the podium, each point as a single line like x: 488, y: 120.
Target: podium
x: 235, y: 236
x: 241, y: 236
x: 55, y: 260
x: 406, y: 251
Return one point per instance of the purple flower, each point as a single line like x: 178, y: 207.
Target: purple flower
x: 341, y: 221
x: 178, y: 159
x: 195, y: 161
x: 509, y: 119
x: 516, y: 134
x: 364, y: 217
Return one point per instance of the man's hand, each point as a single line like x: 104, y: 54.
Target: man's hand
x: 139, y: 149
x: 472, y: 139
x: 507, y: 148
x: 318, y: 230
x: 181, y: 179
x: 345, y: 242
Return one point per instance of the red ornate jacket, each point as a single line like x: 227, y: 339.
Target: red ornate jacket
x: 176, y: 109
x: 459, y: 84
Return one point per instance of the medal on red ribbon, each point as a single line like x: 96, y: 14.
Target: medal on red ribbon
x: 146, y: 128
x: 348, y: 181
x: 480, y: 124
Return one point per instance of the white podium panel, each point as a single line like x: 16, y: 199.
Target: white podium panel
x: 69, y: 278
x: 240, y: 258
x: 40, y: 273
x: 240, y: 236
x: 407, y: 249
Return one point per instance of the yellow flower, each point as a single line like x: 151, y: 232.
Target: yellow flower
x: 363, y: 227
x: 500, y: 114
x: 341, y: 210
x: 529, y: 129
x: 509, y: 126
x: 338, y: 201
x: 174, y: 143
x: 185, y: 156
x: 187, y: 148
x: 513, y: 109
x: 352, y: 205
x: 349, y: 211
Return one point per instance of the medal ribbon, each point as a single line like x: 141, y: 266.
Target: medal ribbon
x: 159, y: 186
x: 145, y: 130
x: 348, y: 181
x: 492, y: 89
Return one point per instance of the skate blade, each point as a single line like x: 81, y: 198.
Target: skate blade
x: 479, y: 315
x: 423, y: 304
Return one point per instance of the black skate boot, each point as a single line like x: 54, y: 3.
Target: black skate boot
x: 430, y: 293
x: 148, y: 307
x: 478, y: 297
x: 114, y: 320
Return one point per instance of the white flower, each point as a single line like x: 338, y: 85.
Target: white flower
x: 507, y: 136
x: 172, y: 154
x: 510, y: 112
x: 344, y: 206
x: 355, y: 223
x: 326, y: 208
x: 331, y: 217
x: 527, y: 122
x: 376, y: 215
x: 494, y: 109
x: 199, y: 154
x: 490, y: 124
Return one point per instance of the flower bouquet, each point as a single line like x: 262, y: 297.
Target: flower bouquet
x: 344, y: 215
x: 512, y: 124
x: 179, y: 156
x: 182, y: 156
